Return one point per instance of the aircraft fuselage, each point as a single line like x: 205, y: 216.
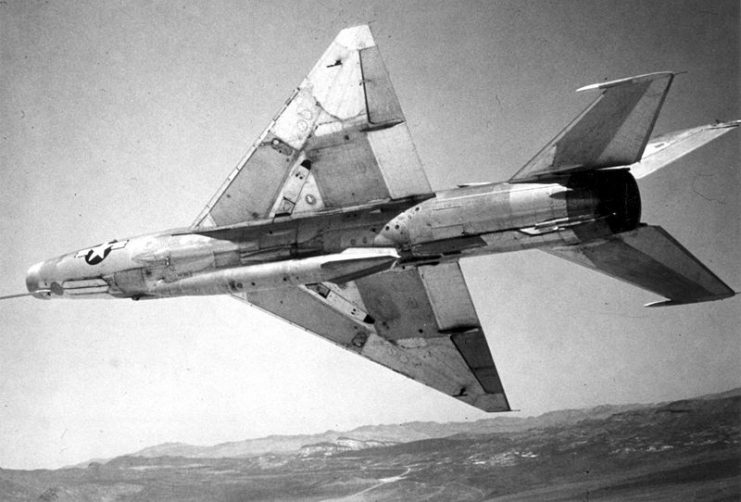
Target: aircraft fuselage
x: 329, y: 222
x: 342, y: 245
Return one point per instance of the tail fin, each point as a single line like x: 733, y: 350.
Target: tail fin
x: 612, y: 132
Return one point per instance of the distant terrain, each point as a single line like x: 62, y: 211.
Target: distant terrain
x: 683, y: 450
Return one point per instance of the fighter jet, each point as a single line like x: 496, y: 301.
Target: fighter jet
x: 329, y: 223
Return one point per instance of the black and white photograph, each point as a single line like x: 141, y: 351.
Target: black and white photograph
x: 370, y: 250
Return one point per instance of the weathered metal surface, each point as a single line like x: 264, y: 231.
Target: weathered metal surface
x: 398, y: 161
x: 336, y: 171
x: 474, y: 349
x: 381, y: 102
x: 448, y: 295
x: 418, y: 309
x: 346, y: 170
x: 398, y: 302
x: 663, y: 150
x: 307, y: 310
x: 474, y: 211
x: 292, y: 188
x: 130, y: 282
x: 354, y: 262
x: 343, y: 298
x: 85, y: 287
x: 648, y: 257
x: 326, y: 122
x: 592, y: 204
x: 612, y: 131
x: 310, y: 199
x: 254, y: 188
x: 436, y: 362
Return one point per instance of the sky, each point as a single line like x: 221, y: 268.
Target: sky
x: 120, y: 119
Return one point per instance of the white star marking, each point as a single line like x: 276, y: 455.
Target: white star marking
x: 100, y: 251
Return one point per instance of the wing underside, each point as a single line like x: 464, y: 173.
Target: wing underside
x: 340, y: 140
x: 650, y: 258
x: 419, y: 322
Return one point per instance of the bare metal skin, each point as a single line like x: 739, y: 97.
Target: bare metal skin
x: 329, y: 222
x: 484, y: 219
x: 155, y: 265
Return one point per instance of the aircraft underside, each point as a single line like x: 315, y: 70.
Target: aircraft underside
x: 329, y: 223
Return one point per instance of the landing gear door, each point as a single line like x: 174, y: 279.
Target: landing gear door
x: 129, y: 282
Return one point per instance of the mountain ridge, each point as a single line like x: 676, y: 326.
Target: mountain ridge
x: 676, y: 450
x: 398, y: 433
x: 394, y: 433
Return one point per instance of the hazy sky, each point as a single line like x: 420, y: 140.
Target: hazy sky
x: 123, y: 118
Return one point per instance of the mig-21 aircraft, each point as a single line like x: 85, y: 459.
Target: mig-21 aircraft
x: 329, y: 223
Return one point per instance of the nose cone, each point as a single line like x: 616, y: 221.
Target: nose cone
x: 34, y: 282
x: 32, y: 277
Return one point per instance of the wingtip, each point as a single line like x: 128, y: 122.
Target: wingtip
x: 356, y: 37
x: 355, y: 28
x: 628, y: 80
x: 729, y: 124
x: 660, y: 303
x: 669, y: 303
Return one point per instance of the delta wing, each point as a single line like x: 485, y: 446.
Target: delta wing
x: 340, y: 140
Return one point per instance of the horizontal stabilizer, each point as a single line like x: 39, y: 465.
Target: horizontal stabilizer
x: 650, y: 258
x: 612, y: 131
x: 665, y: 149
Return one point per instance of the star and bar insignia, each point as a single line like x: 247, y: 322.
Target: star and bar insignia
x: 97, y: 254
